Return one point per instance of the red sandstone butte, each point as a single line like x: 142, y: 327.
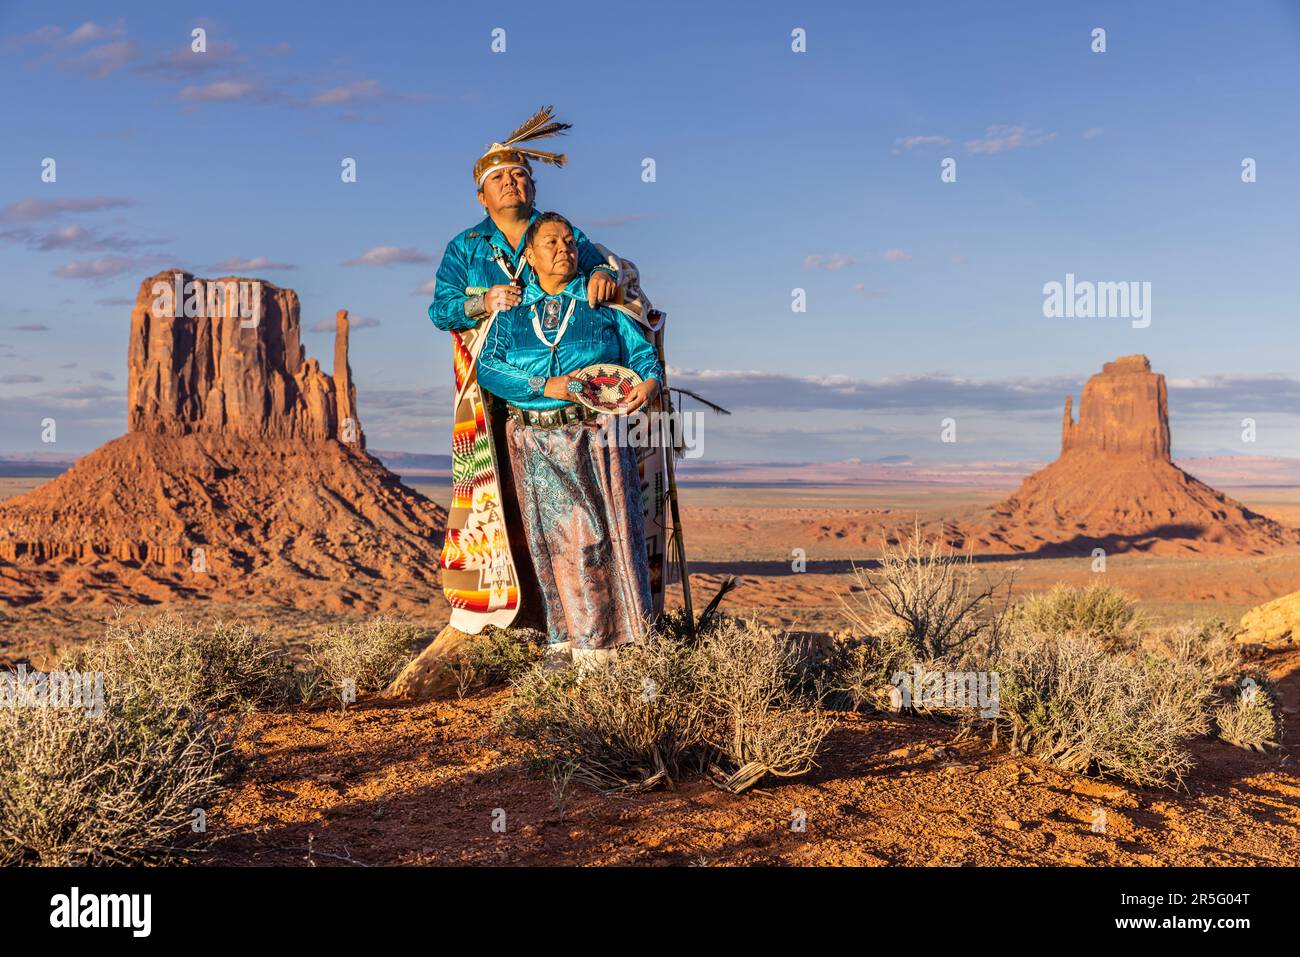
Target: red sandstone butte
x: 1116, y: 487
x: 242, y: 371
x: 244, y: 476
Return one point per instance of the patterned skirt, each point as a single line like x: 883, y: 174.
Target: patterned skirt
x: 581, y: 503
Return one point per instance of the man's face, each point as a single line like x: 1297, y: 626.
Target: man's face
x: 553, y: 252
x: 506, y: 188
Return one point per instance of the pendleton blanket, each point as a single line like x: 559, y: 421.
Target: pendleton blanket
x: 486, y: 574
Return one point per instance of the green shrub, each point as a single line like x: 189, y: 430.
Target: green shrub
x: 1097, y: 612
x: 1066, y: 701
x: 496, y: 656
x: 369, y: 654
x: 1207, y: 646
x: 185, y: 665
x: 1250, y: 717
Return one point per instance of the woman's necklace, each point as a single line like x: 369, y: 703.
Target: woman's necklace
x: 552, y: 316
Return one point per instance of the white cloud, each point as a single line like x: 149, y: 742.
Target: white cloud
x: 836, y: 261
x: 906, y: 143
x: 998, y: 139
x: 237, y: 264
x: 388, y: 255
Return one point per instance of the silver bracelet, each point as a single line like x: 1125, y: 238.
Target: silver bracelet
x: 475, y: 307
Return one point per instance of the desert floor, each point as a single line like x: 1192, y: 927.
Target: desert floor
x: 415, y: 784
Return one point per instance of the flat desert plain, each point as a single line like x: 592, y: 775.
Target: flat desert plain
x: 389, y: 783
x: 794, y: 547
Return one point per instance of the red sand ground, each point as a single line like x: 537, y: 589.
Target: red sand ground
x: 393, y: 784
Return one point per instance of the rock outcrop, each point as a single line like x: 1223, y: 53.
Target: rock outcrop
x: 1124, y: 410
x: 244, y: 476
x: 223, y: 356
x: 1277, y: 620
x: 1115, y: 486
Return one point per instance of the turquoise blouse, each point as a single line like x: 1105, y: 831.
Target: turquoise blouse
x: 513, y: 353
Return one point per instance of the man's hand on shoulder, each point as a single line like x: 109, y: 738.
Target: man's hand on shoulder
x: 601, y: 287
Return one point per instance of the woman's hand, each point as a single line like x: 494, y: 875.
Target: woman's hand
x: 640, y: 395
x: 502, y: 297
x: 557, y: 387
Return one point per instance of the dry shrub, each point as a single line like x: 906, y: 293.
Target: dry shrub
x: 182, y: 665
x: 496, y: 656
x: 932, y: 597
x: 628, y: 727
x: 1251, y: 716
x: 756, y: 724
x: 1207, y: 646
x: 119, y: 788
x: 1066, y: 701
x: 118, y: 781
x: 721, y: 703
x: 370, y: 653
x: 862, y: 670
x: 1098, y: 613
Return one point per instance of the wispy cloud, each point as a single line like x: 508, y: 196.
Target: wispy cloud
x: 31, y: 327
x: 103, y: 60
x: 364, y: 91
x: 354, y: 322
x: 1092, y: 132
x: 895, y: 255
x: 75, y: 237
x: 55, y: 36
x: 425, y: 288
x: 388, y: 256
x: 30, y: 210
x: 107, y: 267
x: 237, y: 264
x: 183, y: 62
x: 93, y: 49
x: 836, y: 261
x: 998, y: 139
x: 226, y: 91
x: 907, y: 143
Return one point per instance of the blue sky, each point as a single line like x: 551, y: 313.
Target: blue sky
x: 775, y: 170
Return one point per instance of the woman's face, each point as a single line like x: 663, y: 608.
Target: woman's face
x: 554, y: 253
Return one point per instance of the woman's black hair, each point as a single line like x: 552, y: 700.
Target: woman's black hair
x: 542, y: 220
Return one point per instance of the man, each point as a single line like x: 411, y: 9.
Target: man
x: 479, y: 257
x: 482, y: 272
x: 579, y: 492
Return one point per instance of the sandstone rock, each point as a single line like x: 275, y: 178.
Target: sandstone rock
x: 239, y: 480
x: 237, y: 367
x: 1124, y: 410
x: 1277, y: 620
x: 428, y: 675
x: 1115, y: 486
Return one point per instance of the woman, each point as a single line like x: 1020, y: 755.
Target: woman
x: 578, y: 491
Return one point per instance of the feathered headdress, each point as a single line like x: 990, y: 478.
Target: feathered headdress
x: 509, y: 153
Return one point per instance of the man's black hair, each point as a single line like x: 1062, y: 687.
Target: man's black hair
x: 541, y: 221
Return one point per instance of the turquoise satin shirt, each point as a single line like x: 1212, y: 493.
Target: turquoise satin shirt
x: 513, y: 353
x: 469, y: 263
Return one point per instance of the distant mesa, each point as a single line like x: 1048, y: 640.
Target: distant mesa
x: 244, y: 476
x: 1115, y: 486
